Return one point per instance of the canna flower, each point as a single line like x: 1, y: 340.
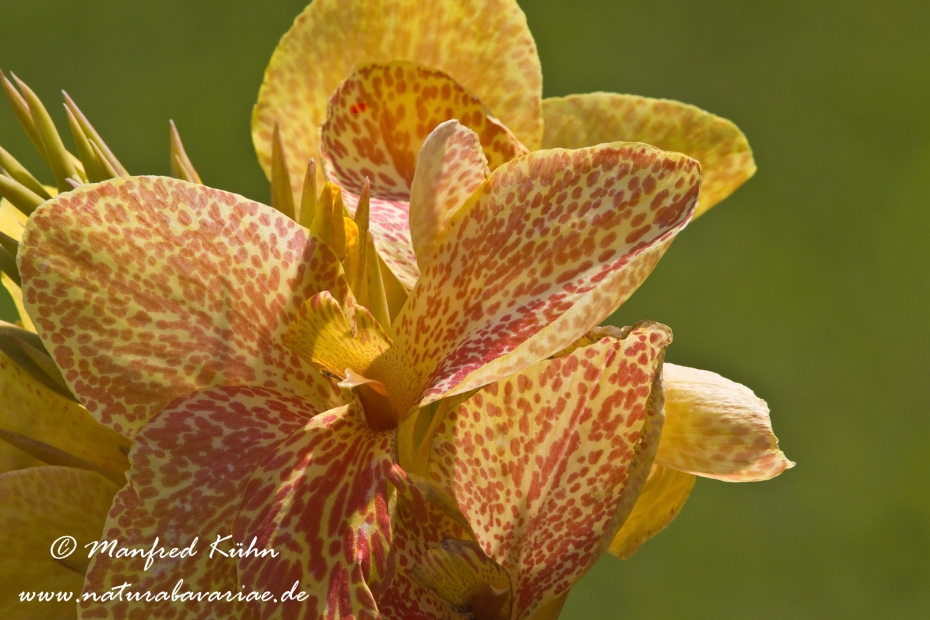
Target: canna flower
x: 408, y: 469
x: 406, y: 395
x: 265, y: 402
x: 366, y: 85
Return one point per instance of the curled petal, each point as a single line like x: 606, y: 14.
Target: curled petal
x: 424, y: 517
x: 378, y: 119
x: 663, y: 496
x: 320, y: 500
x: 484, y: 45
x: 545, y: 249
x: 146, y: 289
x: 37, y: 506
x: 380, y: 116
x: 190, y: 466
x: 717, y: 428
x: 450, y: 168
x: 461, y: 574
x: 546, y: 465
x: 584, y: 120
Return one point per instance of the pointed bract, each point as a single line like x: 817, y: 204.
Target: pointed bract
x: 18, y: 172
x: 181, y: 166
x: 282, y: 196
x: 94, y: 137
x: 58, y: 159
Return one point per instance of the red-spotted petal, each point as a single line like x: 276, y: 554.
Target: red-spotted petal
x: 450, y: 168
x: 146, y: 289
x: 190, y: 466
x: 547, y: 464
x: 378, y: 119
x: 717, y: 428
x: 320, y: 500
x: 380, y: 116
x: 585, y: 120
x: 546, y: 248
x: 485, y: 45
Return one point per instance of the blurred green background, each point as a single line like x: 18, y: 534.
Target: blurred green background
x: 810, y: 284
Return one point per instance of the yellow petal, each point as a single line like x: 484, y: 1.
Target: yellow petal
x: 717, y: 428
x: 586, y: 120
x: 666, y: 491
x: 450, y: 167
x: 547, y: 464
x: 30, y: 408
x: 37, y: 506
x: 484, y: 45
x: 12, y: 223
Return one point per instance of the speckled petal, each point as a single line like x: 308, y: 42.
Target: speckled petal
x: 378, y: 119
x: 717, y: 428
x: 546, y: 465
x: 663, y: 496
x: 450, y: 168
x: 485, y: 45
x: 380, y: 116
x: 324, y: 336
x: 584, y: 120
x: 37, y: 506
x: 321, y: 501
x: 190, y: 466
x: 30, y: 408
x: 147, y: 289
x: 546, y: 248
